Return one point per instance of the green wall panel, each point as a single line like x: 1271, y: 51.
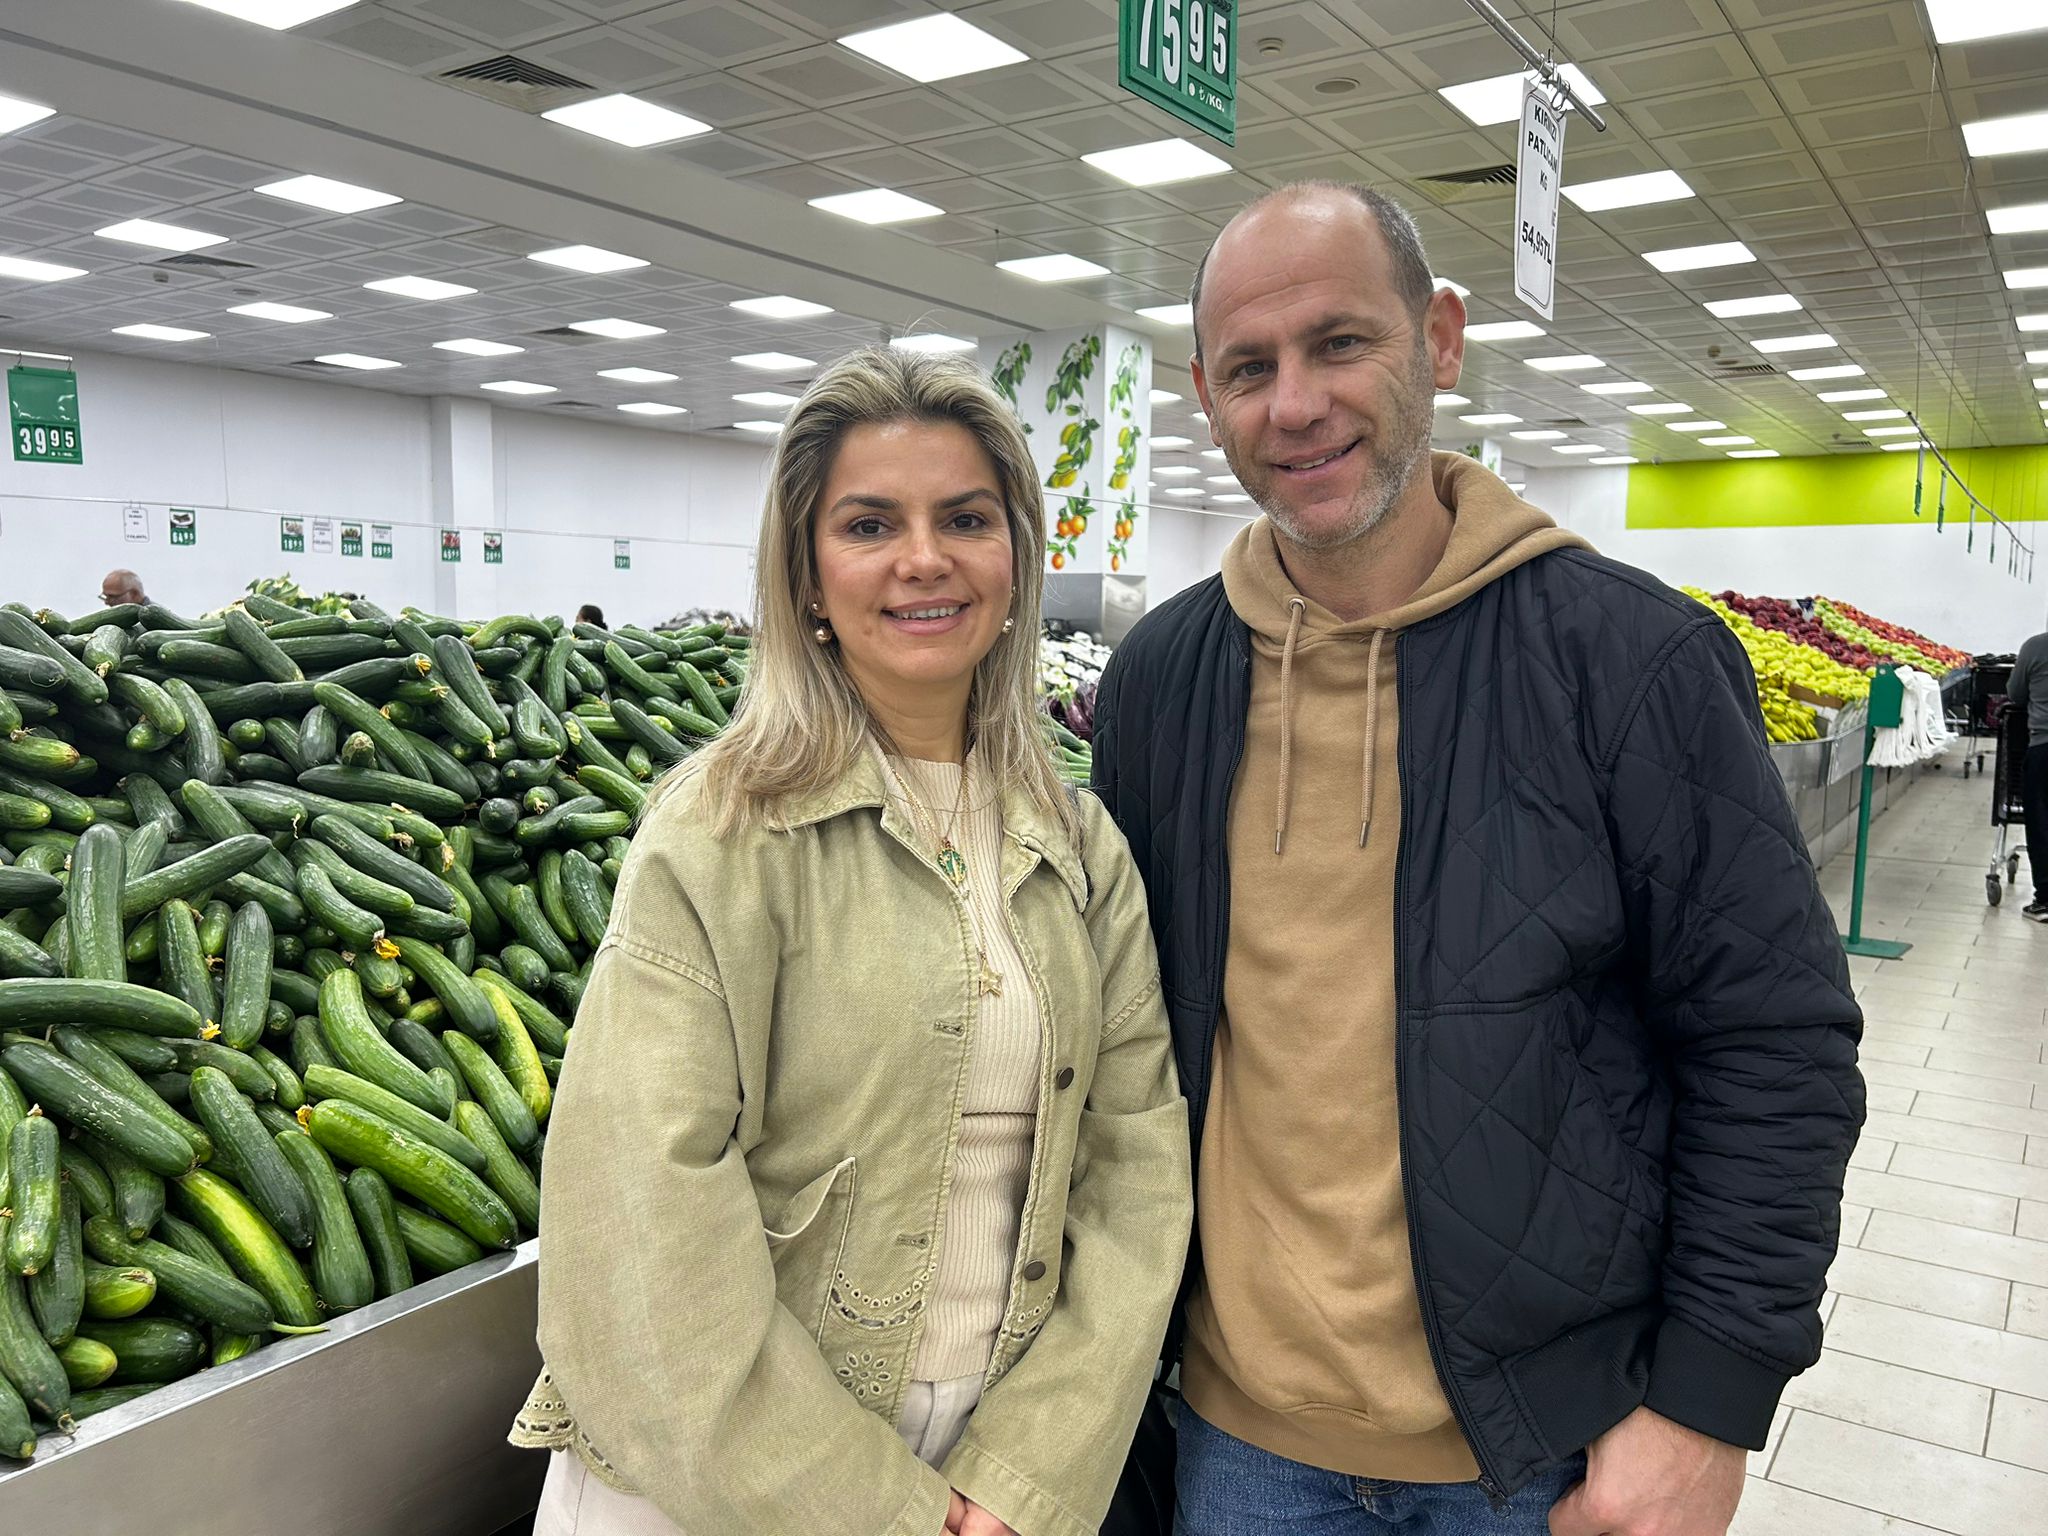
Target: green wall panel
x: 1832, y: 489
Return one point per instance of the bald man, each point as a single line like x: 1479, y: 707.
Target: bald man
x: 121, y: 586
x: 1518, y: 1043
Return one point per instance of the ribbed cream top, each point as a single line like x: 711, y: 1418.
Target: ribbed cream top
x: 999, y: 1113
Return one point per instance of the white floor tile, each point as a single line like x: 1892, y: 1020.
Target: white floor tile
x: 1941, y: 1202
x: 1993, y: 1174
x: 1941, y: 1346
x: 2033, y: 1220
x: 1960, y: 1060
x: 1773, y: 1509
x: 1921, y: 1131
x: 1871, y: 1152
x: 1891, y: 1397
x: 1995, y: 1090
x: 1918, y: 1286
x: 1854, y: 1219
x: 2019, y: 1431
x: 2029, y: 1313
x: 1998, y: 1254
x: 1975, y: 1107
x: 1954, y: 1491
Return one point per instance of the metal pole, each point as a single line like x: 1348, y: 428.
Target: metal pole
x: 1551, y: 73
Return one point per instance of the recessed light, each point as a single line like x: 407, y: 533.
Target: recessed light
x: 1214, y: 453
x: 1621, y: 387
x: 161, y: 332
x: 1168, y: 443
x: 1458, y: 288
x: 1502, y: 330
x: 1892, y: 414
x: 284, y: 314
x: 780, y: 306
x: 275, y: 14
x: 1733, y: 441
x: 1753, y: 453
x: 627, y: 120
x: 2041, y: 383
x: 1490, y: 419
x: 1158, y: 163
x: 2007, y: 135
x: 1574, y: 447
x: 637, y: 375
x: 2034, y: 322
x: 758, y: 426
x: 1905, y: 447
x: 877, y: 205
x: 2021, y: 219
x: 1539, y: 435
x: 1220, y: 479
x: 1694, y: 258
x: 932, y: 342
x: 163, y: 237
x: 2038, y: 357
x: 418, y: 288
x: 1907, y: 431
x: 16, y: 113
x: 653, y: 408
x: 324, y: 192
x: 1170, y: 314
x: 774, y: 399
x: 773, y: 362
x: 518, y: 387
x: 1695, y: 426
x: 1498, y: 99
x: 1220, y: 500
x: 1164, y: 397
x: 1577, y: 362
x: 587, y: 258
x: 473, y: 347
x: 1829, y: 371
x: 933, y: 48
x: 1176, y: 470
x: 1443, y: 400
x: 356, y: 360
x: 1761, y: 304
x: 1183, y: 490
x: 1842, y: 396
x: 1060, y: 268
x: 37, y: 271
x: 1613, y: 458
x: 1628, y: 191
x: 1666, y: 409
x: 1812, y: 341
x: 616, y: 329
x: 1966, y: 21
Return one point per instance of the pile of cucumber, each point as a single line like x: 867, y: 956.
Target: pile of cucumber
x: 294, y: 909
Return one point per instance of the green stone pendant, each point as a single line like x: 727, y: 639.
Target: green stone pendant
x: 954, y: 863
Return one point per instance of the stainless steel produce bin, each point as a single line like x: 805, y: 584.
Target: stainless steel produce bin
x: 391, y: 1423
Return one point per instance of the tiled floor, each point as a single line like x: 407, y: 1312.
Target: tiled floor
x: 1928, y: 1411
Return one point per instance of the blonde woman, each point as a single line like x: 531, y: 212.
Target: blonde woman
x: 867, y: 1186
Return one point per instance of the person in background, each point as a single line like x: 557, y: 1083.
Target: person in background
x: 867, y: 1184
x: 2028, y: 691
x: 1518, y: 1040
x: 121, y: 586
x: 590, y: 613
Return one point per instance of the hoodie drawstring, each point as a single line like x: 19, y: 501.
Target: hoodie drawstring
x: 1296, y: 608
x: 1372, y: 722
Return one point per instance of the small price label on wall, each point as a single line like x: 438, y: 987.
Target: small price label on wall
x: 451, y: 546
x: 1539, y: 171
x: 494, y: 549
x: 135, y: 525
x: 184, y: 526
x: 380, y: 541
x: 323, y: 535
x: 622, y: 554
x: 291, y: 535
x: 352, y: 540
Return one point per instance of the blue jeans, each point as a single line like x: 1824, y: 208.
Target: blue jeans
x: 1224, y: 1487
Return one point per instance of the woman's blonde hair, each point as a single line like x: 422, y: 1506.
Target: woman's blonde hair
x: 801, y: 722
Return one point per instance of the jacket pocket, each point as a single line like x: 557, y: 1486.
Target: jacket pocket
x: 806, y: 1239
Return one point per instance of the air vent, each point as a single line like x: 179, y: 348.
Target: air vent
x: 1458, y: 186
x: 563, y: 333
x: 574, y: 405
x: 192, y: 261
x: 1567, y: 422
x: 515, y: 82
x: 1744, y: 370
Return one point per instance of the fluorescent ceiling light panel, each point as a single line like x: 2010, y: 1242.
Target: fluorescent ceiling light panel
x: 1905, y: 447
x: 1613, y: 458
x: 627, y: 120
x: 2041, y: 383
x: 1443, y: 400
x: 1892, y: 414
x: 616, y: 329
x: 1813, y: 341
x: 933, y: 48
x: 1967, y: 21
x: 1503, y: 330
x: 1183, y: 490
x: 1761, y: 304
x: 1214, y: 453
x: 1576, y: 362
x: 16, y: 113
x: 518, y: 387
x: 2038, y: 356
x: 772, y: 399
x: 356, y: 360
x: 2007, y: 135
x: 1574, y: 447
x: 1164, y: 397
x: 653, y: 408
x: 1177, y: 471
x: 1695, y: 426
x: 2021, y: 219
x: 1158, y: 163
x: 637, y: 375
x: 1726, y: 442
x: 324, y: 192
x: 1220, y: 500
x: 418, y: 288
x: 877, y: 205
x: 1628, y: 191
x: 284, y: 314
x: 932, y: 342
x: 1498, y: 99
x: 1490, y: 419
x: 472, y: 346
x: 758, y: 426
x: 1060, y: 268
x: 36, y: 271
x: 1170, y: 314
x: 1907, y: 431
x: 275, y: 14
x: 1458, y: 288
x: 1843, y: 396
x: 780, y: 306
x: 1539, y: 435
x: 161, y: 332
x: 1829, y: 371
x: 1620, y: 387
x: 1220, y: 479
x: 1695, y: 258
x: 1167, y: 444
x: 164, y: 237
x: 2034, y: 322
x: 1667, y: 409
x: 773, y: 362
x: 1753, y: 453
x: 587, y: 258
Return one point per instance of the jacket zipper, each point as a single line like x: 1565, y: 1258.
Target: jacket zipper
x: 1432, y: 1329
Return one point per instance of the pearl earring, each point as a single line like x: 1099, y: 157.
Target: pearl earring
x: 1008, y: 625
x: 823, y: 634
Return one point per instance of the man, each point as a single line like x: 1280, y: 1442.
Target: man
x: 1518, y: 1041
x: 2028, y: 692
x: 120, y: 586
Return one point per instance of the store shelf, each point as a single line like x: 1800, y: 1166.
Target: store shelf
x: 392, y: 1421
x: 1825, y: 781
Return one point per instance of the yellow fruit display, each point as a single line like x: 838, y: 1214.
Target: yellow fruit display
x: 1780, y: 662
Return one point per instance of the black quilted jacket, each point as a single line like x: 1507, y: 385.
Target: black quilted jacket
x: 1626, y: 1037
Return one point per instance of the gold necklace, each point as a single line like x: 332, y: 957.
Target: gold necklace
x: 951, y: 861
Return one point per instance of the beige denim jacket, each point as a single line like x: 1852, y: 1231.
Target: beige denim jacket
x: 749, y: 1159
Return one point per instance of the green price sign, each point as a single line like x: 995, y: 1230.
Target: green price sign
x: 352, y: 539
x: 42, y: 407
x: 380, y: 541
x: 184, y: 526
x: 451, y: 546
x: 494, y: 549
x: 291, y: 535
x: 622, y: 554
x: 1181, y: 55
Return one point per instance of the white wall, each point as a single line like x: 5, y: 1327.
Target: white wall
x: 1187, y: 547
x: 242, y: 449
x: 1904, y: 573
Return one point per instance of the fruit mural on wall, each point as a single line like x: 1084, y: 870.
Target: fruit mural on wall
x: 1122, y: 397
x: 1008, y: 376
x: 1065, y: 397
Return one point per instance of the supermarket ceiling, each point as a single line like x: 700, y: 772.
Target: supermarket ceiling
x: 1825, y: 137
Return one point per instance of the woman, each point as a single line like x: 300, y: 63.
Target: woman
x: 867, y: 1185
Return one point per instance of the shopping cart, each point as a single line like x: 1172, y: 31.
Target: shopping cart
x: 1988, y: 678
x: 2008, y: 808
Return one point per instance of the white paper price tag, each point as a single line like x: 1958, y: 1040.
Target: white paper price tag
x: 1539, y: 171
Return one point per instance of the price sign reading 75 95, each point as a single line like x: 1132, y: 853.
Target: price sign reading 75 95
x: 1182, y: 55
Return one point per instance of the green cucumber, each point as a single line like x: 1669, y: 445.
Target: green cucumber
x: 502, y: 1170
x: 281, y: 902
x: 288, y: 1091
x: 250, y: 1244
x: 145, y: 849
x: 518, y: 1058
x: 358, y: 928
x: 308, y: 1049
x: 214, y: 919
x: 83, y: 1100
x: 88, y: 1178
x: 56, y: 1293
x: 494, y: 1091
x: 27, y: 887
x: 150, y: 1349
x: 332, y: 1083
x: 464, y: 1000
x: 331, y: 652
x: 319, y: 737
x: 432, y: 1244
x: 366, y: 891
x: 98, y: 940
x: 85, y: 1047
x: 26, y: 1359
x: 359, y: 714
x: 215, y: 815
x: 115, y: 1293
x: 205, y: 658
x: 181, y: 958
x: 342, y: 1277
x: 202, y: 744
x: 376, y: 1213
x: 23, y: 634
x: 450, y: 774
x: 377, y: 967
x: 198, y: 1287
x: 587, y: 897
x: 549, y: 1033
x: 656, y: 740
x: 262, y: 652
x: 145, y: 1053
x: 353, y: 1039
x: 20, y: 814
x: 277, y: 1121
x: 245, y: 984
x: 554, y: 905
x: 525, y: 966
x: 520, y: 906
x: 138, y: 1193
x: 357, y: 751
x: 191, y: 877
x: 372, y: 858
x: 86, y: 1362
x: 21, y: 956
x: 429, y: 1175
x: 33, y: 1193
x: 265, y: 1176
x: 269, y: 809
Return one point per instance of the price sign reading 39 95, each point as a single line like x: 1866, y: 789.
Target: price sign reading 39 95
x: 1182, y: 55
x: 43, y: 443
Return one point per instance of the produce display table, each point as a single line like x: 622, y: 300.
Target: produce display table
x: 393, y: 1420
x: 1824, y: 780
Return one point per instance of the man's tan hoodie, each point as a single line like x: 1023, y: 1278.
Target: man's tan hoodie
x: 1305, y: 1337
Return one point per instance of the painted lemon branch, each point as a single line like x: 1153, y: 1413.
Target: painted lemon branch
x: 1064, y: 396
x: 1123, y: 392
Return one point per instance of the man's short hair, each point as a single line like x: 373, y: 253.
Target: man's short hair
x: 1396, y: 225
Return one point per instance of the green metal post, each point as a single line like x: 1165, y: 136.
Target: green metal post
x: 1887, y: 707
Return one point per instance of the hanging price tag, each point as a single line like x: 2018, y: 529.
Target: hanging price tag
x: 1539, y: 172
